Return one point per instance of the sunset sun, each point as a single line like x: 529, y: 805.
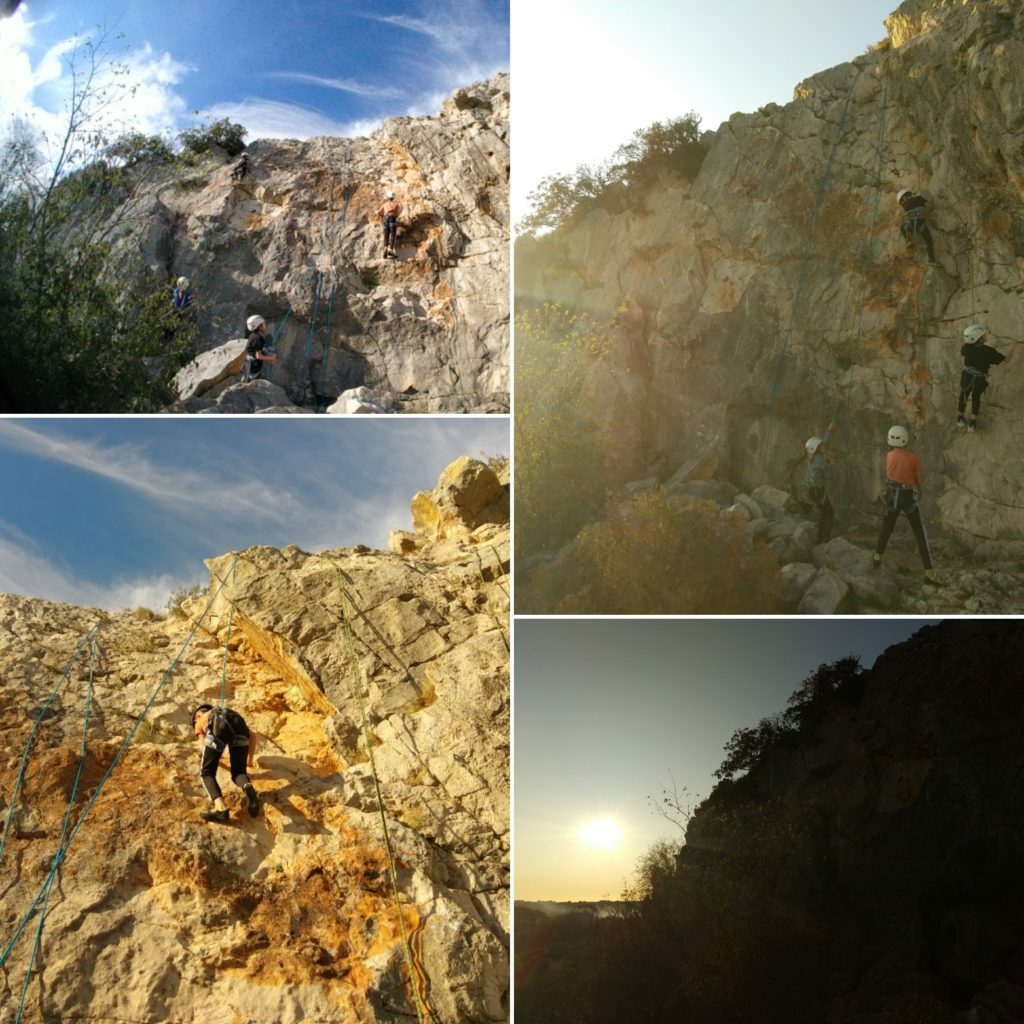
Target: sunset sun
x: 602, y: 832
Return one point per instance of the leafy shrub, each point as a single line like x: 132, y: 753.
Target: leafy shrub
x: 223, y: 133
x: 659, y: 557
x: 180, y: 595
x: 136, y: 147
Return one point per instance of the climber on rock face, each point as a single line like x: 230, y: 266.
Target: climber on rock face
x: 819, y: 472
x: 974, y: 375
x: 904, y: 480
x: 241, y: 168
x: 388, y: 213
x: 217, y: 729
x: 181, y: 297
x: 914, y: 226
x: 255, y: 349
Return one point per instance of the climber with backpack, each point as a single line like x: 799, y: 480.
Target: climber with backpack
x: 219, y: 729
x: 818, y: 477
x: 974, y: 375
x: 388, y: 213
x: 914, y: 207
x: 904, y: 479
x: 256, y: 353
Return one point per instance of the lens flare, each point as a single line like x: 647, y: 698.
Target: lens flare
x: 603, y: 833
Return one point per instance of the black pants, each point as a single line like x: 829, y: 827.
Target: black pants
x: 826, y: 513
x: 390, y: 232
x: 904, y: 502
x: 915, y: 226
x: 971, y: 384
x: 237, y: 756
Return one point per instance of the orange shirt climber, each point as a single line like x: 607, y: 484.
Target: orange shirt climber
x: 904, y: 467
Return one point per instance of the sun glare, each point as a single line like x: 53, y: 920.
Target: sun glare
x: 604, y: 833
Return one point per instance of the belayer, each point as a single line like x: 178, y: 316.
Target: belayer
x: 914, y: 207
x: 255, y: 348
x: 903, y: 482
x: 974, y: 376
x: 817, y: 479
x: 219, y: 729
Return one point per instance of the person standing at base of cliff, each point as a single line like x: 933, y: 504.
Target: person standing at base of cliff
x: 388, y: 213
x: 255, y: 349
x: 218, y: 729
x: 914, y: 226
x: 904, y: 480
x: 974, y: 376
x: 241, y: 168
x: 818, y: 478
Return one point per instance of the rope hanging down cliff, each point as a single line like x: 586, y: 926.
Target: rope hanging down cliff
x: 66, y: 844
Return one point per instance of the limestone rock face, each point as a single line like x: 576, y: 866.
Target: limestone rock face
x: 289, y: 916
x: 299, y: 242
x: 469, y: 494
x: 894, y: 824
x: 776, y: 287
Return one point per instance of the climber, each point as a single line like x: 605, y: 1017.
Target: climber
x: 914, y: 206
x: 388, y: 213
x: 819, y: 472
x: 218, y: 728
x: 902, y: 488
x: 181, y: 297
x: 974, y: 375
x: 255, y: 348
x: 241, y: 168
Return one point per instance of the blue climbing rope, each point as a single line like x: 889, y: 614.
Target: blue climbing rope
x: 35, y: 728
x: 325, y: 352
x: 227, y: 645
x: 312, y: 325
x: 63, y: 834
x: 62, y: 852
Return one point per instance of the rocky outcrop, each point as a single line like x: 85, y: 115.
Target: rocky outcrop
x: 298, y: 241
x: 891, y: 827
x: 776, y: 292
x: 290, y: 916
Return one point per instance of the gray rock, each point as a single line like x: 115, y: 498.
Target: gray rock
x: 772, y: 499
x: 210, y: 368
x: 796, y: 578
x: 719, y: 491
x: 642, y: 486
x: 824, y: 595
x: 846, y: 559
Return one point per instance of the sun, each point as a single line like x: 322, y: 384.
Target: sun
x: 602, y: 832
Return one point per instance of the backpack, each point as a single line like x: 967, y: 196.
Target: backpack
x: 228, y: 726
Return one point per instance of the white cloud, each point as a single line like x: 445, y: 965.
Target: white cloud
x: 341, y: 84
x: 23, y: 570
x: 171, y: 487
x: 271, y: 119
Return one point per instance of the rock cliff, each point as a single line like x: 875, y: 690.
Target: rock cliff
x: 299, y: 242
x: 774, y: 293
x: 289, y: 917
x: 891, y: 830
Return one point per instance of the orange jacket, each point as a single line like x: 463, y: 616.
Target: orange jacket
x: 904, y: 467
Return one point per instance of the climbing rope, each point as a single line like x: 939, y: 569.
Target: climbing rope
x: 35, y: 728
x: 316, y: 310
x: 63, y: 835
x: 358, y: 689
x: 66, y: 845
x: 325, y: 351
x: 227, y: 645
x: 804, y: 262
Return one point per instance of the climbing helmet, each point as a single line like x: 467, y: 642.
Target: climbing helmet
x: 254, y: 322
x: 974, y: 333
x: 898, y: 437
x: 813, y: 444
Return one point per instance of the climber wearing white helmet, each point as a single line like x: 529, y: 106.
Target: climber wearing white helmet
x: 181, y: 297
x: 904, y: 479
x: 914, y: 226
x: 255, y: 348
x: 241, y: 168
x: 819, y: 472
x: 978, y: 357
x: 388, y: 213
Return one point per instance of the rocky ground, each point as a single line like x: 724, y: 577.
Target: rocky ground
x: 288, y: 917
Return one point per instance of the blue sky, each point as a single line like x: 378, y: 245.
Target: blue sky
x: 590, y: 72
x: 608, y: 713
x: 116, y: 513
x: 291, y: 68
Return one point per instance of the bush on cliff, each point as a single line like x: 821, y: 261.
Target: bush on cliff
x: 658, y: 556
x: 225, y: 134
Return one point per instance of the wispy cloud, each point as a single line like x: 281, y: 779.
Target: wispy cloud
x: 129, y: 466
x: 341, y: 84
x: 271, y: 119
x: 24, y: 570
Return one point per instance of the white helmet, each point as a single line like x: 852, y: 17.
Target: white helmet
x: 391, y: 195
x: 974, y: 333
x: 898, y: 437
x: 182, y: 282
x: 254, y: 322
x: 902, y: 192
x: 813, y: 444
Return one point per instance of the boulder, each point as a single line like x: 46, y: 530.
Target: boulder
x: 824, y: 595
x: 468, y: 495
x: 772, y: 500
x: 796, y: 578
x: 361, y: 400
x: 719, y: 491
x: 210, y: 368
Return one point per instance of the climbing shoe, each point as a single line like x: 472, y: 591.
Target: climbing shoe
x: 929, y: 578
x: 971, y: 426
x: 252, y: 801
x: 220, y: 816
x: 876, y: 561
x: 960, y: 421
